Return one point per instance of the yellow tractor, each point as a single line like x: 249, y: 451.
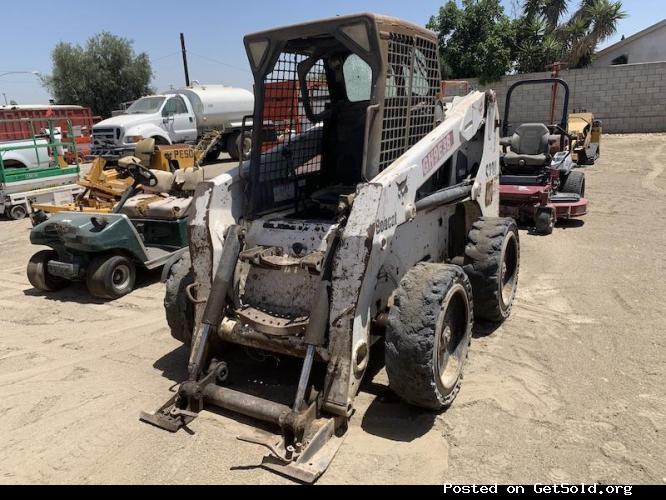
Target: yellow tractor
x: 104, y: 188
x: 586, y: 134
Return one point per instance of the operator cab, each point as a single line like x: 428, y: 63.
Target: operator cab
x: 330, y: 113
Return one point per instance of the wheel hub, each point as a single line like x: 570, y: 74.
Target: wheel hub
x: 508, y: 269
x: 120, y: 277
x: 451, y: 350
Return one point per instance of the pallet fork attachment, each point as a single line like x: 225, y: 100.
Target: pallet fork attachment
x: 309, y: 443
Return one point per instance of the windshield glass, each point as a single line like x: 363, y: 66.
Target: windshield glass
x: 146, y: 105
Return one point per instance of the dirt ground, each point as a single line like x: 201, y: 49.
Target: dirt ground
x: 571, y: 389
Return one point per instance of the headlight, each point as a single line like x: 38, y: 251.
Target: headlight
x: 131, y: 139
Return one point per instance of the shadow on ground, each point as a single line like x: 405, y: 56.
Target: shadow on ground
x: 174, y: 364
x: 562, y: 224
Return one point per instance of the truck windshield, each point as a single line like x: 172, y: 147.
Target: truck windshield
x: 146, y: 105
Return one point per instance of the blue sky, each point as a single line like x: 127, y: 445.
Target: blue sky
x: 214, y: 32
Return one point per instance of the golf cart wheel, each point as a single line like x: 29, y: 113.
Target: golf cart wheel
x: 17, y: 212
x: 179, y: 309
x: 574, y: 184
x: 492, y: 263
x: 110, y: 277
x: 236, y: 146
x: 38, y: 272
x: 544, y: 222
x: 428, y: 335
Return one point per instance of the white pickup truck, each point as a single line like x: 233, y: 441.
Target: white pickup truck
x: 25, y: 153
x: 179, y: 116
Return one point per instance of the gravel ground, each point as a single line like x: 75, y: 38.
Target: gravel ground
x: 571, y: 389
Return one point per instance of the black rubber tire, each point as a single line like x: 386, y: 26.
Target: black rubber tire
x: 213, y: 155
x: 430, y: 296
x: 103, y: 272
x: 160, y: 141
x: 544, y: 222
x: 179, y: 309
x: 234, y: 146
x: 17, y: 212
x: 38, y: 272
x: 492, y: 263
x: 574, y: 184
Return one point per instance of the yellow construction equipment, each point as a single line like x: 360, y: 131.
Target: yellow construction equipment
x: 104, y: 188
x: 587, y: 134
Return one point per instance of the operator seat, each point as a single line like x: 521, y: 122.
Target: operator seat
x: 530, y: 146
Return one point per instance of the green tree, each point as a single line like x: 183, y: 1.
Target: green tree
x: 476, y: 40
x: 544, y: 33
x: 536, y: 45
x: 101, y: 75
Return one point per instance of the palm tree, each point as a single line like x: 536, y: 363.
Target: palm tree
x: 591, y: 23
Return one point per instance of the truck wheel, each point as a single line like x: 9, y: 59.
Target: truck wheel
x: 38, y: 272
x: 234, y: 146
x: 212, y: 156
x: 179, y: 310
x: 110, y: 277
x: 17, y: 212
x: 428, y: 335
x: 492, y: 262
x: 574, y: 184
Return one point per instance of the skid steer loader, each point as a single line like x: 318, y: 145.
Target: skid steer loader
x: 371, y: 226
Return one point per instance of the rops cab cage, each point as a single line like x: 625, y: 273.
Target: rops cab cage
x: 344, y: 99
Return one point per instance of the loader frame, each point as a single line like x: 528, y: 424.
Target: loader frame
x: 417, y: 188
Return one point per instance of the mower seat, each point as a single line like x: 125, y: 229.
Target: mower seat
x: 530, y: 146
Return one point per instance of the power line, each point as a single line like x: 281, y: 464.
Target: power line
x: 165, y: 57
x: 222, y: 63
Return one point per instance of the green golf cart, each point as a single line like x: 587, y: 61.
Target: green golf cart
x: 147, y: 229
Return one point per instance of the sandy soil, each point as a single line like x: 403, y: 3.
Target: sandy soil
x: 572, y: 388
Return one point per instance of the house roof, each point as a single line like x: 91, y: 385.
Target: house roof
x: 632, y: 38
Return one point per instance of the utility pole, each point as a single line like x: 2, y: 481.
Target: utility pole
x: 187, y: 71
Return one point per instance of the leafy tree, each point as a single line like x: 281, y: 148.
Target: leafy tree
x: 536, y: 45
x: 101, y: 75
x: 476, y: 40
x: 545, y: 34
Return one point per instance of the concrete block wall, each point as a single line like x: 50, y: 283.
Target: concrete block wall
x: 629, y: 98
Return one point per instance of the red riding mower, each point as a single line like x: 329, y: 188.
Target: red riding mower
x: 539, y: 184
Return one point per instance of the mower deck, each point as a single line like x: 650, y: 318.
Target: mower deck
x: 522, y: 202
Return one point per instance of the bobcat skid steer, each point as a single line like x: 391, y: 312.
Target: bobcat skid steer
x: 371, y: 226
